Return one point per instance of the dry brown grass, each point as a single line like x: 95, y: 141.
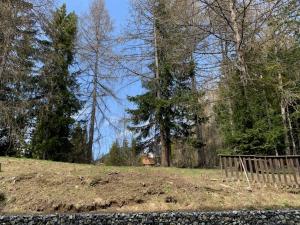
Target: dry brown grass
x: 32, y: 186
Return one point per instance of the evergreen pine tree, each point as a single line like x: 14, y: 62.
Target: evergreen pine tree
x: 115, y: 156
x: 151, y: 120
x: 59, y: 103
x: 168, y: 108
x: 17, y: 58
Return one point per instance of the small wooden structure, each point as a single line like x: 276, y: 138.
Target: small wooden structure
x: 279, y: 170
x: 147, y: 160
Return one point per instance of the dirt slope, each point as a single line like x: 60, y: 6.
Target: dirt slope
x: 32, y: 186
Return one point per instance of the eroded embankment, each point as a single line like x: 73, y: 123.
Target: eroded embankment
x: 33, y: 186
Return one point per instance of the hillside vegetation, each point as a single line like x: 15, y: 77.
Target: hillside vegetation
x: 32, y: 186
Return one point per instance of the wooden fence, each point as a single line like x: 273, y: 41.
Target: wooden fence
x: 279, y: 170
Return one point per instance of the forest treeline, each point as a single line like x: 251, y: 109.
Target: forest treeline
x: 244, y: 52
x: 41, y: 94
x: 217, y: 77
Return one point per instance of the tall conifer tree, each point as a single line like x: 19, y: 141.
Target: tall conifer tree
x: 164, y: 112
x: 17, y: 57
x: 58, y: 87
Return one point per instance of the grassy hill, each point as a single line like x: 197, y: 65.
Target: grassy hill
x: 32, y: 186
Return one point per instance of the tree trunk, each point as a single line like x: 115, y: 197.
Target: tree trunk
x: 241, y: 65
x: 201, y: 151
x: 284, y: 117
x: 165, y: 143
x: 92, y: 127
x: 298, y: 136
x: 291, y: 132
x: 166, y: 147
x: 93, y: 113
x: 156, y: 61
x: 227, y: 71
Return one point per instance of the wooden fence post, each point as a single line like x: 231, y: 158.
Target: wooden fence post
x: 272, y: 170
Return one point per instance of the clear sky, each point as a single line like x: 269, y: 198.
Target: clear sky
x: 118, y: 9
x: 119, y: 13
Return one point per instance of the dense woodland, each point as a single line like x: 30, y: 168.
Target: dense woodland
x: 217, y: 77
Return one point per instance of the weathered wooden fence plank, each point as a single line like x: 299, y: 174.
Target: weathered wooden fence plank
x: 236, y: 166
x: 250, y: 160
x: 225, y: 167
x: 262, y: 169
x: 277, y: 166
x: 256, y: 169
x: 231, y: 167
x: 283, y: 168
x: 267, y: 169
x: 272, y: 169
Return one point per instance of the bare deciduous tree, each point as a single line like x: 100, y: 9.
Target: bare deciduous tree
x: 96, y: 57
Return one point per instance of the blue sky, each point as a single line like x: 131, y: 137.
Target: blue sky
x: 119, y: 9
x: 119, y: 13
